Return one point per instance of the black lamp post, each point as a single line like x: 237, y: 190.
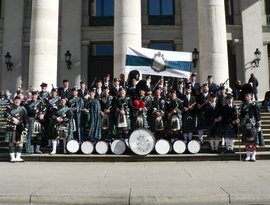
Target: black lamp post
x: 195, y: 57
x: 257, y: 58
x: 68, y: 59
x: 8, y: 62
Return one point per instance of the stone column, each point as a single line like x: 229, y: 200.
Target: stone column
x: 12, y: 43
x: 252, y: 39
x: 190, y: 28
x: 43, y: 42
x: 212, y: 40
x: 127, y: 31
x: 71, y: 40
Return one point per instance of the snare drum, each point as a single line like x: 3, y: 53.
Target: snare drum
x: 102, y: 147
x: 141, y: 141
x: 162, y: 146
x: 194, y: 146
x: 87, y: 147
x: 118, y: 146
x: 73, y: 146
x: 179, y: 147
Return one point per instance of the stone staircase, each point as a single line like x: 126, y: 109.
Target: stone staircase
x: 203, y: 155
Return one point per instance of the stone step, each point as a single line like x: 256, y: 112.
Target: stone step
x: 136, y: 158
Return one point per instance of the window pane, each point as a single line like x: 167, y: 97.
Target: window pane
x: 108, y: 7
x: 167, y: 7
x: 102, y: 50
x: 98, y: 7
x: 154, y: 7
x: 162, y: 46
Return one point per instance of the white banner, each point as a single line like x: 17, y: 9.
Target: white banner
x: 158, y: 62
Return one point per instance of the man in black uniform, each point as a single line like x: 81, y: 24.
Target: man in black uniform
x: 65, y: 91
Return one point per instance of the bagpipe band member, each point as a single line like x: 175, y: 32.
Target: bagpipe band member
x: 17, y: 127
x: 52, y: 107
x: 36, y: 115
x: 213, y: 119
x: 122, y: 111
x: 229, y: 122
x: 141, y: 105
x: 202, y: 100
x: 188, y: 114
x: 158, y: 114
x: 250, y: 118
x: 107, y: 116
x: 76, y: 105
x: 62, y: 125
x: 174, y: 115
x: 94, y: 109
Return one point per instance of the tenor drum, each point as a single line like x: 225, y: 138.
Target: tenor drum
x: 118, y: 146
x: 194, y: 146
x: 162, y: 146
x: 73, y: 146
x: 179, y: 147
x: 102, y: 147
x: 141, y: 141
x: 87, y: 147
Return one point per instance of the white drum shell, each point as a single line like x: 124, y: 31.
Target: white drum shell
x: 194, y: 146
x: 87, y: 147
x: 73, y: 146
x: 162, y: 146
x: 102, y: 147
x: 141, y: 141
x: 179, y: 147
x: 118, y: 146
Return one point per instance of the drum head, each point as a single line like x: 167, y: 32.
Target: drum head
x: 87, y: 147
x: 194, y: 146
x: 162, y: 146
x: 118, y: 147
x: 141, y: 141
x: 73, y: 146
x: 179, y: 147
x: 102, y: 147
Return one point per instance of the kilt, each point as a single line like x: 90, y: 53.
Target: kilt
x: 14, y: 134
x: 249, y: 135
x: 214, y: 130
x: 201, y: 121
x: 188, y: 123
x: 229, y: 131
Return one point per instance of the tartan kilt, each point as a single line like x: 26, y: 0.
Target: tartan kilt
x: 214, y: 131
x: 201, y: 121
x: 249, y: 135
x: 123, y: 128
x: 145, y: 123
x: 14, y: 135
x: 52, y: 132
x: 188, y: 123
x: 229, y: 131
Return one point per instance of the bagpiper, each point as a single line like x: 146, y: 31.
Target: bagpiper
x: 17, y: 127
x: 250, y: 120
x: 36, y: 114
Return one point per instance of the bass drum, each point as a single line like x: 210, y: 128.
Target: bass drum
x: 162, y: 146
x: 102, y: 147
x: 118, y: 147
x: 141, y: 141
x: 87, y: 147
x: 194, y: 146
x: 179, y: 147
x: 73, y: 146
